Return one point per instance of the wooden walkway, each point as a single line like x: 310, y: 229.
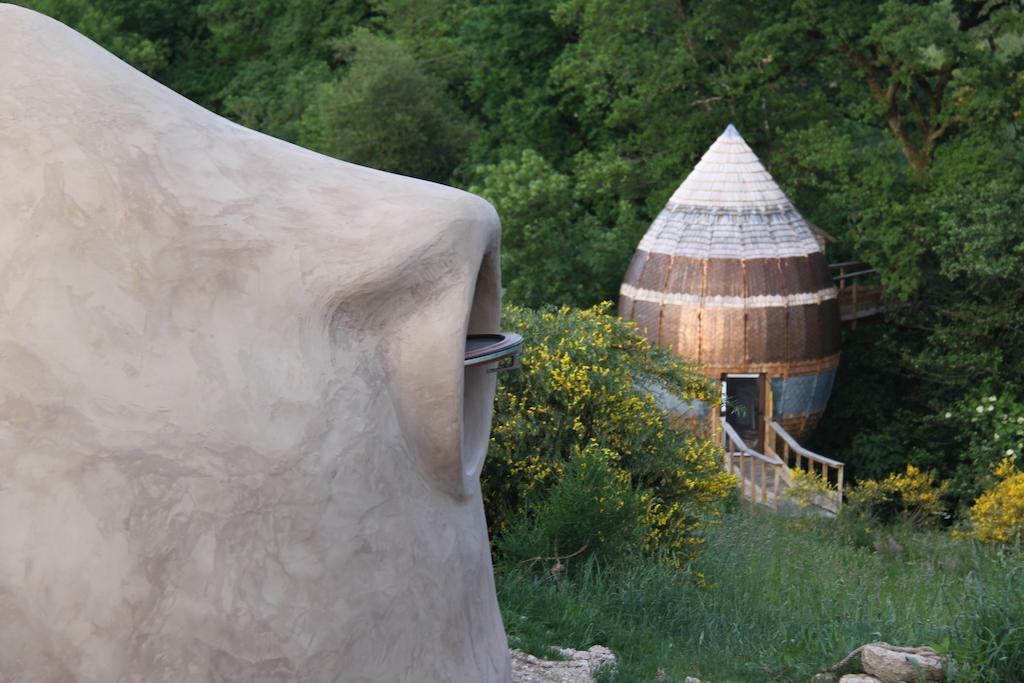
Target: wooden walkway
x: 859, y: 290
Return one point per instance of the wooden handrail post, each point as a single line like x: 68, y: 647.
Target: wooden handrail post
x: 746, y: 463
x: 764, y: 484
x: 853, y: 323
x: 742, y: 475
x: 839, y: 488
x: 765, y: 469
x: 753, y: 482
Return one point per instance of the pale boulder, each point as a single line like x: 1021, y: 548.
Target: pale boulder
x: 893, y: 666
x: 576, y: 666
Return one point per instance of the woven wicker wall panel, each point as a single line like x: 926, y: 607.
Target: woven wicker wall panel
x: 757, y: 335
x: 647, y: 316
x: 797, y: 272
x: 636, y: 265
x: 831, y: 326
x: 813, y: 321
x: 668, y: 327
x: 722, y: 332
x: 625, y: 307
x: 685, y: 338
x: 820, y: 271
x: 686, y: 276
x: 763, y: 276
x: 724, y: 278
x: 655, y: 272
x: 777, y: 341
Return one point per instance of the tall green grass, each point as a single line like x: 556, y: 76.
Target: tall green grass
x: 788, y: 597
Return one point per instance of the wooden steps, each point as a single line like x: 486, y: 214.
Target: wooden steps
x: 764, y: 478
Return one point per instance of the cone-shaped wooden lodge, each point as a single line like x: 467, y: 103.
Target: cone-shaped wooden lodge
x: 730, y: 276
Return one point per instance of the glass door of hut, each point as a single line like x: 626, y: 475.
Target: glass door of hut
x: 744, y: 407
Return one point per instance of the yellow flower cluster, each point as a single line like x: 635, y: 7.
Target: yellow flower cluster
x: 914, y: 492
x: 808, y: 487
x: 997, y: 516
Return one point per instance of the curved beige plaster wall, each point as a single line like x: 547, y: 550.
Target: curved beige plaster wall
x: 233, y: 445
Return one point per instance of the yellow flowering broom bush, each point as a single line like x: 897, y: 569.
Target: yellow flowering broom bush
x: 582, y: 460
x: 808, y: 488
x: 912, y: 495
x: 997, y: 516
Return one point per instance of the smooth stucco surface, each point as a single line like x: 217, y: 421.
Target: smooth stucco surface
x: 230, y: 395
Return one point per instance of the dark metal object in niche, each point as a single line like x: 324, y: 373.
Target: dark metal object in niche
x: 501, y: 349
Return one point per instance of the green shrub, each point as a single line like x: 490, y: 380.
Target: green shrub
x: 986, y: 429
x: 997, y: 516
x: 912, y: 496
x: 591, y: 508
x: 582, y: 456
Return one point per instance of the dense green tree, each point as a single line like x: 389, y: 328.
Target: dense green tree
x: 387, y: 112
x: 272, y: 56
x: 555, y: 245
x: 511, y: 47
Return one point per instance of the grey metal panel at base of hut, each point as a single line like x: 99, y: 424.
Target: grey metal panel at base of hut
x: 801, y: 394
x: 668, y: 401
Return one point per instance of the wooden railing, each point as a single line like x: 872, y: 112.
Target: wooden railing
x: 860, y: 293
x: 745, y: 464
x: 796, y: 457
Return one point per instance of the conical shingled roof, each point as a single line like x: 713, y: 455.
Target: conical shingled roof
x: 730, y: 207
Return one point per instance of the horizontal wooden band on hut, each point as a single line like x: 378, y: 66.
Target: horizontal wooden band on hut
x: 737, y: 336
x: 728, y: 277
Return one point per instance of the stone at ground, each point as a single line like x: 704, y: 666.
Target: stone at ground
x: 578, y: 666
x: 662, y: 675
x: 824, y: 677
x: 858, y: 678
x: 892, y: 666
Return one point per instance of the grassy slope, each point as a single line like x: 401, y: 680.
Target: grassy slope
x: 789, y: 597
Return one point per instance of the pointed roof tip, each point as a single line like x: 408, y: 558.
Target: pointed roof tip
x: 731, y: 132
x: 729, y: 175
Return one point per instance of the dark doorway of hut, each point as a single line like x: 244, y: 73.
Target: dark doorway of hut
x: 744, y: 407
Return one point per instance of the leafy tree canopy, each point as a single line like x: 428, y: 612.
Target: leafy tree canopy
x: 387, y: 112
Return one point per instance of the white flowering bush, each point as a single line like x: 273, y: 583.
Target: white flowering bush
x: 990, y: 429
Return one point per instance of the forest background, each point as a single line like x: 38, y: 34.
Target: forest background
x: 894, y: 126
